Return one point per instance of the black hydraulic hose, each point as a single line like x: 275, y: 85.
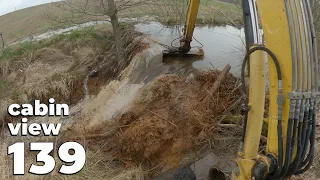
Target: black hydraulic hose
x: 312, y: 148
x: 249, y: 35
x: 297, y: 160
x: 270, y: 53
x: 294, y: 166
x: 244, y: 89
x: 304, y: 131
x: 307, y: 159
x: 309, y: 131
x: 305, y: 140
x: 245, y: 118
x: 294, y: 103
x: 280, y: 154
x: 280, y: 104
x: 294, y: 135
x: 247, y: 24
x: 288, y: 150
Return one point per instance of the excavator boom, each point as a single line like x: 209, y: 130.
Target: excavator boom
x: 186, y: 39
x: 290, y: 46
x: 185, y: 45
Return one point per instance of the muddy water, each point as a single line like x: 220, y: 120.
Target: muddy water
x: 68, y: 30
x: 221, y: 45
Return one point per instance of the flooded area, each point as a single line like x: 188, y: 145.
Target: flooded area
x: 68, y: 30
x: 221, y: 45
x: 153, y: 110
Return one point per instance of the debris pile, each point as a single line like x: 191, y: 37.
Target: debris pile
x: 169, y: 118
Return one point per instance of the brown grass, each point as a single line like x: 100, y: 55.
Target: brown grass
x: 57, y: 67
x: 165, y: 122
x: 32, y: 21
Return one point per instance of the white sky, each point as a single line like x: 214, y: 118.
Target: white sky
x: 7, y: 6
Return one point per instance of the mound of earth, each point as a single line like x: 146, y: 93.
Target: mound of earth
x: 168, y: 118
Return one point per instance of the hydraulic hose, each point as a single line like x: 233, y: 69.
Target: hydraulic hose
x: 303, y: 127
x: 307, y: 159
x: 309, y: 131
x: 244, y: 89
x: 245, y: 117
x: 291, y: 136
x: 297, y: 160
x: 288, y: 149
x: 293, y: 121
x: 291, y: 7
x: 280, y: 101
x: 305, y: 131
x: 306, y: 164
x: 312, y: 143
x: 295, y: 128
x: 310, y: 82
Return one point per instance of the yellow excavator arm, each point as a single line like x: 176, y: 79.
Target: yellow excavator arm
x: 290, y: 46
x: 192, y: 13
x: 186, y: 39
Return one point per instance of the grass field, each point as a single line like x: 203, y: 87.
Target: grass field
x: 56, y: 67
x: 27, y: 22
x: 219, y: 4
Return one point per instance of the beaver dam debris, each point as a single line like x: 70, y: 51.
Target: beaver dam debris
x: 167, y: 120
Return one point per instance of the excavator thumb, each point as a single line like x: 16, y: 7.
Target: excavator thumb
x: 185, y: 41
x: 197, y: 52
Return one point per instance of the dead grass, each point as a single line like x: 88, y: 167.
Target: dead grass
x: 166, y: 121
x: 172, y: 13
x: 58, y: 66
x: 29, y: 22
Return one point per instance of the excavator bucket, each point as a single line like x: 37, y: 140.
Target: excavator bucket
x: 192, y: 53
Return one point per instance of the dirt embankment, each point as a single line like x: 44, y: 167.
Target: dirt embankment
x: 165, y: 121
x: 57, y: 67
x: 170, y: 118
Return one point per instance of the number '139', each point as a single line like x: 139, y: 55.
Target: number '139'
x: 78, y: 158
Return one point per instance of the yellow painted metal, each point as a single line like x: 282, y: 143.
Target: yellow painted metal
x: 245, y: 169
x: 277, y: 37
x: 190, y: 24
x: 191, y: 19
x: 257, y: 91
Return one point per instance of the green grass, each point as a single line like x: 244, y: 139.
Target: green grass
x: 221, y: 5
x: 77, y: 36
x: 18, y: 50
x: 5, y: 86
x: 209, y: 13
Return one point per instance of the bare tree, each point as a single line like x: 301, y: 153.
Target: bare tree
x: 116, y: 30
x: 88, y: 10
x: 2, y: 42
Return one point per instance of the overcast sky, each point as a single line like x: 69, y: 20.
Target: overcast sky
x: 7, y: 6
